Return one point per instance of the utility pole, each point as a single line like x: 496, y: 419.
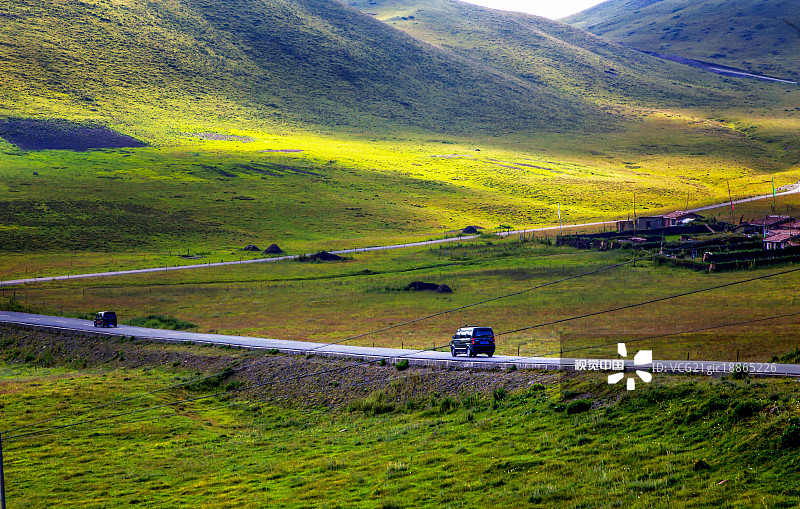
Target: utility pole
x: 773, y: 194
x: 731, y: 200
x: 2, y: 477
x: 559, y: 220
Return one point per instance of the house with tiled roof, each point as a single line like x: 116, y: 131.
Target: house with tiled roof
x: 765, y: 224
x: 793, y: 224
x: 781, y: 239
x: 679, y: 217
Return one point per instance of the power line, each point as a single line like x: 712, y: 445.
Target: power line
x: 700, y: 329
x: 486, y: 301
x: 413, y: 321
x: 652, y: 301
x: 452, y: 310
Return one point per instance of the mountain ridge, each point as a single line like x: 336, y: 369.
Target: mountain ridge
x: 551, y: 53
x: 761, y: 37
x: 315, y: 61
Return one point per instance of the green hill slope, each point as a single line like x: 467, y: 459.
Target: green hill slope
x: 542, y: 51
x: 287, y: 61
x: 310, y: 123
x: 761, y: 36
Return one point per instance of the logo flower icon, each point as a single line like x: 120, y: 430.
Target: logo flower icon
x: 641, y: 358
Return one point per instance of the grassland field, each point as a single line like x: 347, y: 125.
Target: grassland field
x: 373, y: 436
x: 334, y: 301
x: 295, y: 144
x: 128, y: 207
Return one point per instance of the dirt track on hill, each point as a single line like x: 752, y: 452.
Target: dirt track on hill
x: 293, y: 380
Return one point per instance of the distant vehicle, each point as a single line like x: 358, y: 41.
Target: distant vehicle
x: 473, y: 340
x: 105, y: 319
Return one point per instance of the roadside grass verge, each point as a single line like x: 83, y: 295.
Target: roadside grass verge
x: 696, y: 441
x: 161, y: 322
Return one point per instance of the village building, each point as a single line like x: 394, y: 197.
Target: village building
x: 781, y: 239
x: 649, y: 222
x: 624, y: 226
x: 763, y: 225
x: 679, y: 218
x: 794, y: 224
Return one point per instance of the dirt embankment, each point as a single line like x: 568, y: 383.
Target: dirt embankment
x: 312, y: 381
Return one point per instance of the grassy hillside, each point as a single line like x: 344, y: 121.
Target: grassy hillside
x: 307, y: 192
x: 761, y: 36
x: 286, y: 122
x: 670, y: 105
x: 373, y: 437
x: 542, y: 51
x: 282, y: 62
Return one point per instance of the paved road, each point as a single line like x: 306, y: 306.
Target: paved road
x: 794, y: 189
x: 14, y: 282
x: 415, y: 357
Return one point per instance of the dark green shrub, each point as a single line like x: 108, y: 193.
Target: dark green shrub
x: 578, y: 406
x: 402, y: 365
x: 570, y: 393
x: 46, y: 359
x: 745, y: 409
x: 499, y: 394
x: 714, y: 404
x: 447, y: 404
x: 790, y: 437
x: 701, y: 465
x: 375, y: 404
x: 740, y: 372
x: 471, y: 400
x: 12, y: 305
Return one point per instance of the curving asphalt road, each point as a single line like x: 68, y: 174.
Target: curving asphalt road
x: 414, y: 357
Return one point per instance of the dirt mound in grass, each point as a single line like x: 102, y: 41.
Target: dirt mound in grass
x: 57, y: 134
x: 322, y: 256
x: 443, y: 289
x: 251, y: 247
x: 470, y: 230
x: 273, y: 249
x: 421, y: 286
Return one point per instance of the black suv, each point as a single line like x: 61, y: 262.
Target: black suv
x: 472, y: 341
x: 105, y: 319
